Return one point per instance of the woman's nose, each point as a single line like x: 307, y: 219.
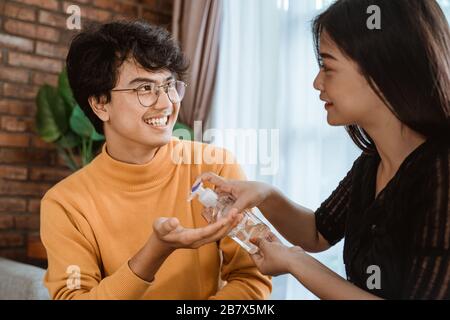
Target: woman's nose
x: 318, y: 81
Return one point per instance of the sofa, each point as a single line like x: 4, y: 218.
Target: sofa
x: 20, y: 281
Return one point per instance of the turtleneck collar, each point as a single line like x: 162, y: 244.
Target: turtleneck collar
x: 134, y: 177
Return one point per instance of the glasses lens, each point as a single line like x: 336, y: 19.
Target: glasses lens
x: 147, y: 96
x: 176, y: 91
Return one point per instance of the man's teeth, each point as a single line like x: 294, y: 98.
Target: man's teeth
x: 157, y: 122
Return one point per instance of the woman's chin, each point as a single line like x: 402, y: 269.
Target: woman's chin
x: 335, y: 121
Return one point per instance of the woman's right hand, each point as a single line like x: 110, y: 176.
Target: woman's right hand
x: 248, y: 194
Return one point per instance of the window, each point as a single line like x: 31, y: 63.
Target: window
x: 445, y: 4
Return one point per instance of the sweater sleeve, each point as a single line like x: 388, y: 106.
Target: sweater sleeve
x: 74, y: 267
x: 243, y: 279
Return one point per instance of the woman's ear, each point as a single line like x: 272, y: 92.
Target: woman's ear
x: 99, y: 106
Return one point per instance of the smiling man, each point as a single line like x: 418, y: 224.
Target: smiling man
x: 121, y: 227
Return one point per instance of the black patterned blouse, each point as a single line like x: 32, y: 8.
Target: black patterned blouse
x: 396, y: 245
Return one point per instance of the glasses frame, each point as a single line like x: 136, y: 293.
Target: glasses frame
x: 158, y: 88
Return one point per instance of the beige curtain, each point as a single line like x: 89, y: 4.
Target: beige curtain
x: 196, y: 25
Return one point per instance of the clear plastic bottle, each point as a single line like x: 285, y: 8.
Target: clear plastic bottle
x: 217, y: 206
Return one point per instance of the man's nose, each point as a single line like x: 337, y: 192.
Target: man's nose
x: 163, y: 101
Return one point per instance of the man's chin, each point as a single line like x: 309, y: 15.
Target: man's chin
x: 160, y: 142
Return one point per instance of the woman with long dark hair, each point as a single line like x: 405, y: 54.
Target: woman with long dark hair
x: 390, y: 88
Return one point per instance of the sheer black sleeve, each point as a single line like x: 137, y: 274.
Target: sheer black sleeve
x: 332, y: 213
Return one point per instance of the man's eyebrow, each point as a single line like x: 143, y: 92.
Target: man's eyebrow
x: 325, y: 55
x: 139, y: 80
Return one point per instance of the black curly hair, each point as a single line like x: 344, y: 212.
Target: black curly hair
x: 97, y: 53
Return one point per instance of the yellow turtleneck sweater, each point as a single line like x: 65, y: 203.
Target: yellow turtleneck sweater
x: 95, y: 220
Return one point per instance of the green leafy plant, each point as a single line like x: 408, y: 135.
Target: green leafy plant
x: 60, y: 120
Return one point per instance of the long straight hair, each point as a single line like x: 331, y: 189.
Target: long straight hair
x: 406, y: 62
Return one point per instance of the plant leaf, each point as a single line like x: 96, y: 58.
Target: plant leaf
x: 81, y: 124
x: 97, y: 136
x: 65, y: 90
x: 182, y: 131
x: 51, y: 118
x: 69, y: 140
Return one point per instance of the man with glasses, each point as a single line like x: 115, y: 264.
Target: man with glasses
x: 121, y: 227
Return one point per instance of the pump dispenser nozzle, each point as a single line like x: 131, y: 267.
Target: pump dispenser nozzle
x: 206, y: 196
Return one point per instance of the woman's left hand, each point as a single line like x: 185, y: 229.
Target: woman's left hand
x: 273, y: 257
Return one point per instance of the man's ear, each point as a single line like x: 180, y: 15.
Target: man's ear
x: 99, y: 106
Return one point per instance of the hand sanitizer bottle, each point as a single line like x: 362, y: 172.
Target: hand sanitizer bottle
x: 218, y: 206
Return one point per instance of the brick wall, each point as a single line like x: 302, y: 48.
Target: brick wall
x: 33, y: 45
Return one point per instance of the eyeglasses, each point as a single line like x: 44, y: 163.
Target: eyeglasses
x: 148, y: 93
